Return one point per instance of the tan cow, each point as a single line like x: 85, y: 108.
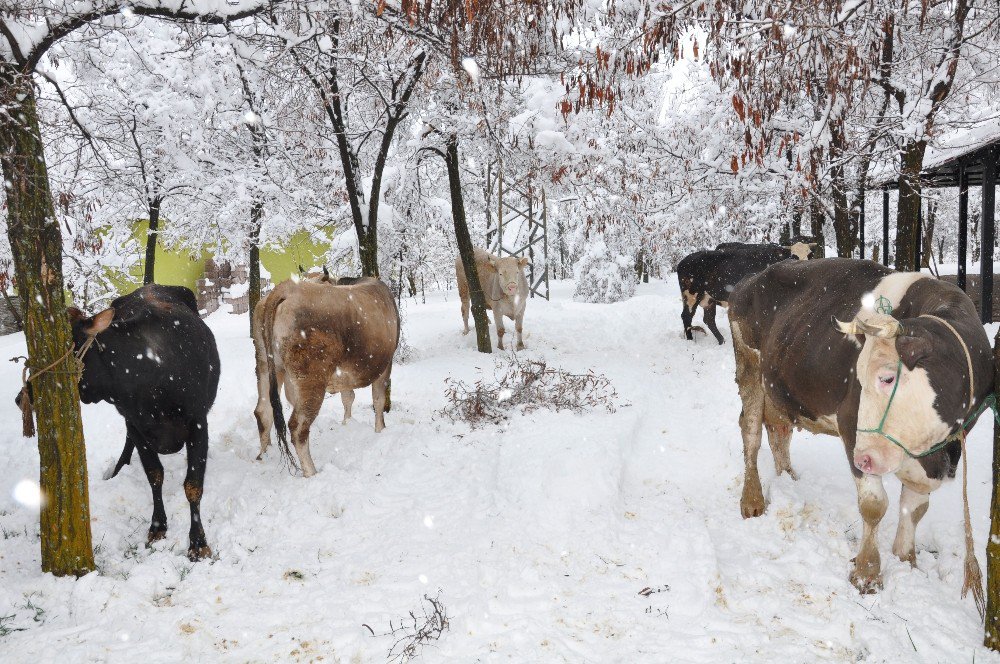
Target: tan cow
x: 316, y: 336
x: 505, y: 290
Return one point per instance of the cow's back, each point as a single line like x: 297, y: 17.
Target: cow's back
x: 785, y: 313
x: 348, y: 334
x: 160, y: 354
x: 717, y: 272
x: 484, y: 270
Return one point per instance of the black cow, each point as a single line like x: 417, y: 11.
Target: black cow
x: 156, y: 361
x: 708, y: 277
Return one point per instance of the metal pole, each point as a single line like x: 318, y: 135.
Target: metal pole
x: 963, y: 222
x: 885, y: 226
x: 988, y: 237
x: 531, y: 247
x: 545, y: 241
x: 499, y: 208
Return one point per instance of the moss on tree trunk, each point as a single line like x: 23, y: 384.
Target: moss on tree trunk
x: 992, y: 640
x: 465, y: 248
x: 36, y: 244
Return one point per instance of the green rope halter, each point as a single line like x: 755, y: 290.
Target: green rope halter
x: 989, y: 402
x: 884, y: 306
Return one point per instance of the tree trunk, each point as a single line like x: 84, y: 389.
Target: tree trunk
x: 842, y: 227
x: 36, y: 245
x: 465, y: 248
x: 974, y: 217
x: 992, y: 640
x: 151, y: 236
x: 254, y: 290
x: 908, y: 211
x: 12, y: 308
x: 927, y: 242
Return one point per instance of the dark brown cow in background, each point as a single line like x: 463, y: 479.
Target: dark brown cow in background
x: 908, y: 369
x: 314, y: 337
x: 707, y: 278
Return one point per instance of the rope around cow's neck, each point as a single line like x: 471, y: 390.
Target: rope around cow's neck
x: 27, y: 411
x: 973, y: 573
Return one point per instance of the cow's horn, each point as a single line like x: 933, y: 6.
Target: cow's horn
x: 884, y: 330
x: 847, y: 328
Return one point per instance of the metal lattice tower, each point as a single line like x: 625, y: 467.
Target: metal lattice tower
x: 517, y: 224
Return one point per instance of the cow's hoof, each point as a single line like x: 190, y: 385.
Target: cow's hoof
x: 196, y: 553
x: 866, y: 583
x: 260, y: 457
x: 907, y: 556
x: 752, y: 503
x: 155, y: 536
x: 722, y: 342
x: 464, y: 332
x: 520, y: 346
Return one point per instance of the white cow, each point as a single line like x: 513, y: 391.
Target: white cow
x: 505, y: 290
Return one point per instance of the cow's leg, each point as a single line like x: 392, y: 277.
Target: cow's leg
x: 500, y: 329
x: 466, y: 305
x: 379, y: 397
x: 194, y: 484
x: 308, y: 401
x: 687, y: 317
x: 347, y: 396
x: 779, y: 437
x: 519, y: 327
x: 912, y: 507
x: 263, y: 411
x: 154, y: 473
x: 751, y: 388
x: 872, y: 503
x: 709, y: 317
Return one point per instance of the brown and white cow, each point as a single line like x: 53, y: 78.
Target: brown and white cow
x: 316, y: 336
x: 794, y: 367
x: 505, y: 290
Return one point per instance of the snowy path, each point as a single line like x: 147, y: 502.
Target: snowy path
x: 540, y: 537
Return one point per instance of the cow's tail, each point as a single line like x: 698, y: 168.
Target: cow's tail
x: 123, y: 460
x: 267, y: 337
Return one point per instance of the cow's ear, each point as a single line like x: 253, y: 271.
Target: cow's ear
x: 913, y: 349
x: 522, y: 261
x: 74, y: 314
x: 99, y: 322
x: 326, y: 275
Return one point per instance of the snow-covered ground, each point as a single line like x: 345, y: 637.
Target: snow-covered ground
x: 561, y: 538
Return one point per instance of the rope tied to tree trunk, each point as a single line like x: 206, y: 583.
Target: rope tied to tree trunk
x: 27, y: 409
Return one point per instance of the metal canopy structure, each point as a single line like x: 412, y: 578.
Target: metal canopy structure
x: 975, y: 166
x: 521, y: 224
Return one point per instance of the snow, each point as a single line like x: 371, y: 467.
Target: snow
x: 561, y: 538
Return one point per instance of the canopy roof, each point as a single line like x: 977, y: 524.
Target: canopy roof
x: 972, y: 147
